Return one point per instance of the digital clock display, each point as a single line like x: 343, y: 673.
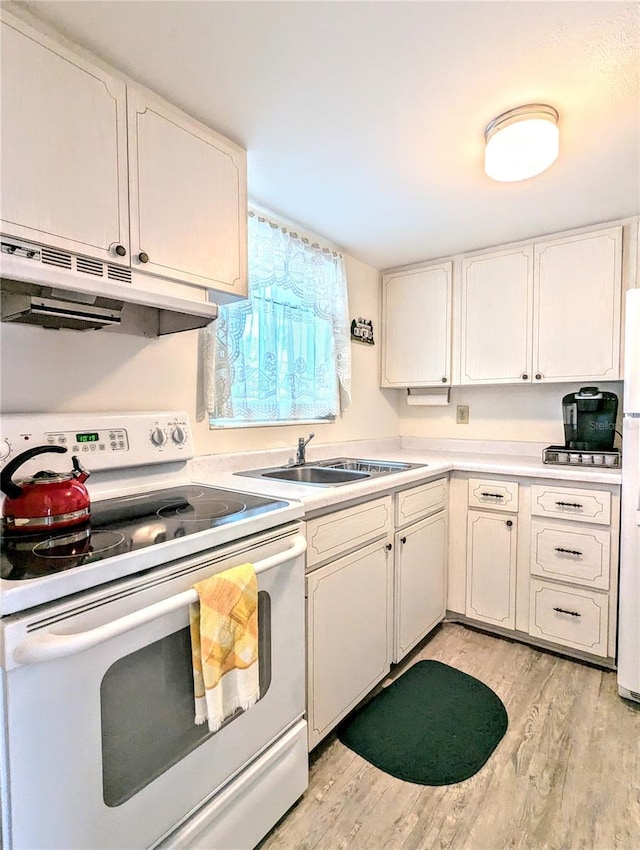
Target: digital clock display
x: 88, y: 438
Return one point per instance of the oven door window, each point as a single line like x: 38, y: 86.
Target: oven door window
x: 147, y: 709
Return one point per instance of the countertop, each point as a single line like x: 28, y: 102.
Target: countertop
x: 439, y: 458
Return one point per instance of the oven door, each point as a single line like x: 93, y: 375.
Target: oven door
x: 100, y: 745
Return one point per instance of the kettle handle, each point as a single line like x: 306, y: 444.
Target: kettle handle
x: 8, y: 486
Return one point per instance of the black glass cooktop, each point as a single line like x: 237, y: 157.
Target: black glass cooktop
x: 125, y: 524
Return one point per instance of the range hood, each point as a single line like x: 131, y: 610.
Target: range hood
x: 57, y: 289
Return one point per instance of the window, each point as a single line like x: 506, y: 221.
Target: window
x: 283, y: 355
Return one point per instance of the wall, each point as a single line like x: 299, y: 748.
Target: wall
x: 531, y: 413
x: 48, y: 371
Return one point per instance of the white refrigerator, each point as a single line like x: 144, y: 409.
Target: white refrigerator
x: 629, y: 609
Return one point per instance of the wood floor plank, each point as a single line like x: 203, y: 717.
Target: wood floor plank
x: 566, y: 775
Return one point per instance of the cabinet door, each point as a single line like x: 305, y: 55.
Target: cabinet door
x: 348, y: 634
x: 495, y: 329
x: 491, y: 568
x: 417, y: 328
x: 421, y: 552
x: 577, y: 291
x: 188, y: 198
x: 64, y: 153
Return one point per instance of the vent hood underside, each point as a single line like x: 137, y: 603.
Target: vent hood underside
x: 81, y: 293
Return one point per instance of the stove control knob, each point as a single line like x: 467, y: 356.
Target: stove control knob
x: 158, y: 437
x: 179, y: 436
x: 5, y: 449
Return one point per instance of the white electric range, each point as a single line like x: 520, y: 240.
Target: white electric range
x: 97, y: 688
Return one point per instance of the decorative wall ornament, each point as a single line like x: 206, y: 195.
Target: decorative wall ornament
x: 362, y: 330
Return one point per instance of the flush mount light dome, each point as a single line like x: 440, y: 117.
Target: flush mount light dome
x: 522, y: 142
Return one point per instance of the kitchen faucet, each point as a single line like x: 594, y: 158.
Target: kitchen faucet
x: 302, y: 444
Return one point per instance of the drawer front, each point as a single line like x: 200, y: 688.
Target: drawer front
x: 571, y: 616
x: 571, y: 503
x: 331, y: 535
x: 419, y: 502
x: 570, y: 552
x: 493, y: 495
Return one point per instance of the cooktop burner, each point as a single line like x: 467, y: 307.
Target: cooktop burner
x: 78, y: 543
x: 202, y: 510
x: 125, y: 524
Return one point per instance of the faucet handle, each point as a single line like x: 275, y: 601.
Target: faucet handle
x: 300, y: 458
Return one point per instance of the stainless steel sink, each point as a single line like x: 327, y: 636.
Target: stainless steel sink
x: 374, y: 467
x: 316, y: 475
x: 331, y: 472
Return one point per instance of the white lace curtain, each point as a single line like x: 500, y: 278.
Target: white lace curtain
x: 284, y: 354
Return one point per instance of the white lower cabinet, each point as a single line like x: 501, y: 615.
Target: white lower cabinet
x: 565, y: 551
x: 421, y: 552
x: 349, y: 621
x: 491, y: 567
x: 573, y: 567
x: 369, y: 607
x: 531, y: 563
x: 540, y: 560
x: 572, y: 616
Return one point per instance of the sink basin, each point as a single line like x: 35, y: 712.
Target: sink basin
x: 378, y: 467
x: 316, y: 475
x: 331, y: 472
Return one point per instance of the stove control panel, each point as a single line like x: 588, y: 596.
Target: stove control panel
x: 102, y: 441
x: 107, y: 440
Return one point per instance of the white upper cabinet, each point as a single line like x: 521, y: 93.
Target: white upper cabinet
x: 542, y: 312
x: 416, y: 307
x: 90, y: 161
x: 188, y: 197
x: 578, y: 283
x: 64, y: 151
x: 495, y: 317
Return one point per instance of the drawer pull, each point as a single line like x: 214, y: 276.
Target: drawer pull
x: 564, y: 611
x: 569, y: 505
x: 388, y: 547
x: 493, y: 495
x: 568, y: 551
x: 403, y: 539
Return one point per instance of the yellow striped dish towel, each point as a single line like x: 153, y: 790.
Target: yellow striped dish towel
x: 224, y: 643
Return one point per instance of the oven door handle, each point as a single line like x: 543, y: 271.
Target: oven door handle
x: 49, y: 646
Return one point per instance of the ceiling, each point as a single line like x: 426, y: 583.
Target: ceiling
x: 364, y: 121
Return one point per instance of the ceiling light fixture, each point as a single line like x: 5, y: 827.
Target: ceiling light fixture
x: 521, y: 143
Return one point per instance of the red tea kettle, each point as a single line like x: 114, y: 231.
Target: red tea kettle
x: 47, y: 500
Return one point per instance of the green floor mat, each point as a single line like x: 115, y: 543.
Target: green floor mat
x: 434, y: 725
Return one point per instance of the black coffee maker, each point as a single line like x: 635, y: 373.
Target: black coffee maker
x: 590, y: 420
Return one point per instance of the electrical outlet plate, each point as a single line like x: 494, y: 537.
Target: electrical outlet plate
x: 462, y: 414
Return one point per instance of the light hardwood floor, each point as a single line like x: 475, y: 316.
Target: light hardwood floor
x: 566, y: 776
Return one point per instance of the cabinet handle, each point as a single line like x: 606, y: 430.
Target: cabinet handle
x: 569, y: 505
x: 143, y: 257
x: 493, y: 495
x: 388, y: 547
x: 444, y: 380
x: 509, y: 523
x: 403, y: 539
x: 525, y: 377
x: 564, y: 611
x: 568, y: 551
x: 121, y: 251
x: 538, y: 376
